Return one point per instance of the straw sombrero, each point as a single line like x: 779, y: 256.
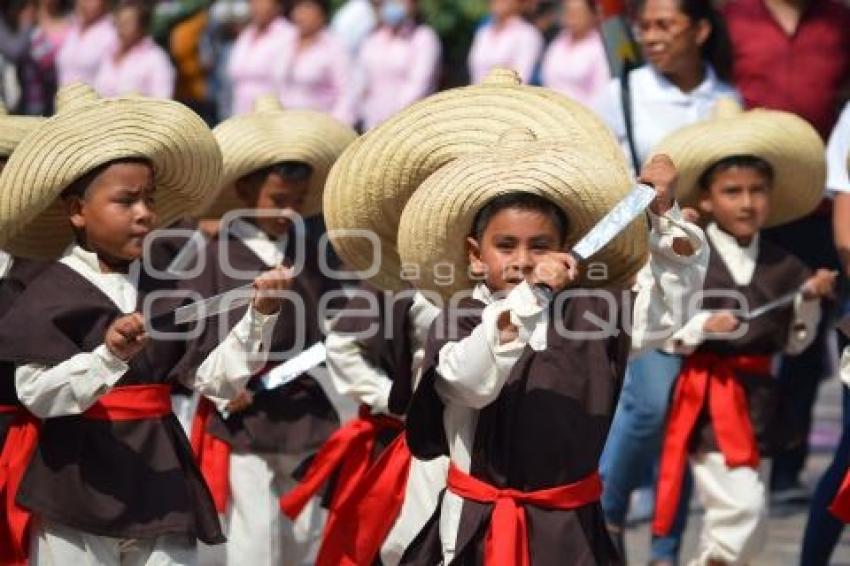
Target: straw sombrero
x: 372, y: 181
x: 271, y: 135
x: 586, y: 185
x: 13, y: 129
x: 87, y: 132
x: 791, y: 146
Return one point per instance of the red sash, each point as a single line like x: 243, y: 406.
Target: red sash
x: 840, y: 506
x: 212, y: 455
x: 348, y: 450
x: 706, y: 378
x: 507, y: 537
x: 358, y: 525
x: 136, y: 402
x: 21, y: 441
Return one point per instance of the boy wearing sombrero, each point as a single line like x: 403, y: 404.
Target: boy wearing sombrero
x: 275, y: 165
x: 108, y: 474
x: 745, y: 171
x: 519, y: 391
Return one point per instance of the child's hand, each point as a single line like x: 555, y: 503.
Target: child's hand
x: 126, y: 336
x: 242, y: 401
x: 661, y: 174
x: 558, y: 270
x: 268, y: 286
x: 690, y: 214
x: 820, y: 285
x: 721, y: 323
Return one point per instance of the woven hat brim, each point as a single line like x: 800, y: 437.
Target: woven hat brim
x: 439, y: 216
x: 254, y: 141
x: 793, y: 148
x: 13, y: 129
x: 184, y: 154
x: 372, y: 181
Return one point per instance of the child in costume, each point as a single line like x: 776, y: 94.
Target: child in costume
x: 275, y: 165
x: 517, y: 390
x: 109, y: 475
x: 745, y: 171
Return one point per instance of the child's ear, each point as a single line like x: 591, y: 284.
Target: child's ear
x: 473, y: 250
x: 74, y: 209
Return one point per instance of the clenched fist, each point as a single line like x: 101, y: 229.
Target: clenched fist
x: 660, y: 173
x: 268, y: 287
x: 126, y: 336
x: 557, y: 270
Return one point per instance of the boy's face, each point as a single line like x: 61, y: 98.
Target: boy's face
x: 739, y: 201
x: 512, y: 245
x: 274, y: 194
x: 117, y: 211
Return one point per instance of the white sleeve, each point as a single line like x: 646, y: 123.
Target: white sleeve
x: 844, y: 367
x: 473, y: 370
x: 242, y: 353
x: 355, y: 377
x: 70, y: 387
x: 804, y: 325
x: 690, y: 336
x: 669, y: 283
x: 837, y: 152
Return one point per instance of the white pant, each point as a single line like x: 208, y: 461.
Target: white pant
x: 425, y: 481
x: 58, y: 545
x: 735, y: 522
x: 258, y: 533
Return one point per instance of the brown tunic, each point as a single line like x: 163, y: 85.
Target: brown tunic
x: 126, y: 479
x: 296, y: 418
x: 776, y: 274
x: 11, y: 286
x: 547, y: 428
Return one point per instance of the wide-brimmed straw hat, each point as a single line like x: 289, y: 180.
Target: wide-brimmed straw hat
x: 372, y: 181
x: 788, y: 143
x: 13, y: 129
x: 584, y: 184
x: 271, y: 135
x: 88, y: 132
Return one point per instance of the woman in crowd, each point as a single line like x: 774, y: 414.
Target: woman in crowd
x: 317, y: 75
x: 91, y: 38
x: 506, y: 40
x: 575, y: 63
x: 399, y: 62
x: 138, y: 65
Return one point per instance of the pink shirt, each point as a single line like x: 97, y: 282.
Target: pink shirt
x: 80, y: 57
x: 318, y: 77
x: 256, y: 62
x: 145, y: 69
x: 517, y: 45
x: 398, y: 69
x: 578, y: 69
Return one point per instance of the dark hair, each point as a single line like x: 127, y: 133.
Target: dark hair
x: 717, y: 49
x: 143, y: 10
x: 323, y: 5
x: 80, y: 186
x: 286, y: 170
x: 748, y: 161
x: 520, y: 201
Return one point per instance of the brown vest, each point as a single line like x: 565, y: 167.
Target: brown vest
x: 298, y: 417
x: 130, y: 479
x: 547, y: 428
x: 776, y: 274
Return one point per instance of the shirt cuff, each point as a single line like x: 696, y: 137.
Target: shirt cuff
x: 105, y: 371
x: 254, y: 327
x: 670, y: 226
x: 525, y: 310
x: 690, y: 336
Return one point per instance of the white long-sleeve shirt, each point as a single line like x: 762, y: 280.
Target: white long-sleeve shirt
x: 71, y: 387
x: 472, y: 371
x: 364, y: 382
x: 741, y: 263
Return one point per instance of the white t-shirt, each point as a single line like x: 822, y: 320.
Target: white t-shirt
x: 658, y: 107
x: 837, y: 153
